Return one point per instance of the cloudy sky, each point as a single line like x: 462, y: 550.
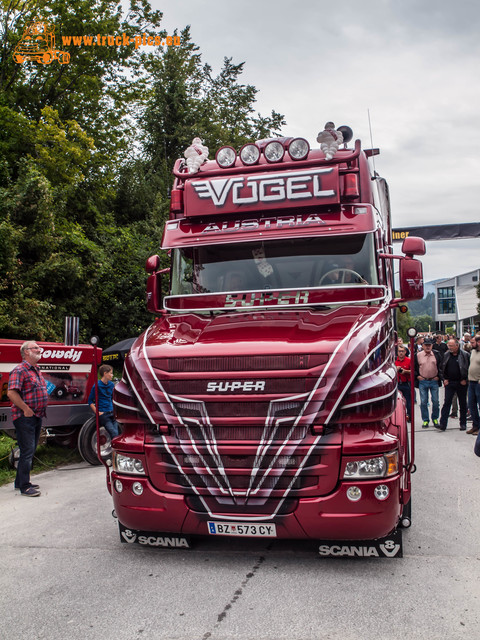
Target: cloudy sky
x: 412, y: 64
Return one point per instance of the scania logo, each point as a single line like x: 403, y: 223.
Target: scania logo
x: 235, y: 385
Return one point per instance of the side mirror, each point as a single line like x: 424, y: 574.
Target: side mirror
x: 411, y: 278
x: 413, y: 246
x: 154, y: 284
x: 154, y: 292
x: 152, y: 264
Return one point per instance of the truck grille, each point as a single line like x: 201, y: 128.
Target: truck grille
x: 194, y: 387
x: 234, y: 363
x: 238, y: 409
x: 238, y: 433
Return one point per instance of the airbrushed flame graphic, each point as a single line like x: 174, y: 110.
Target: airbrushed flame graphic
x: 323, y: 397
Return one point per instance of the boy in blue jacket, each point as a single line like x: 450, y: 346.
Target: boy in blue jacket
x: 105, y: 404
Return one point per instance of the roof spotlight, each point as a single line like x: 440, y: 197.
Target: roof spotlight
x: 274, y: 151
x: 226, y: 157
x: 249, y: 154
x: 298, y: 149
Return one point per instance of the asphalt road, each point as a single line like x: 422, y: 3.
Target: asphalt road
x: 65, y: 574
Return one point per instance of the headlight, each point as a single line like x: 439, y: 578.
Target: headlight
x: 226, y: 157
x: 274, y: 151
x: 249, y: 154
x: 298, y: 149
x: 126, y: 464
x: 377, y: 467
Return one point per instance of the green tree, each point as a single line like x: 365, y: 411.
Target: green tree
x: 186, y: 100
x: 423, y: 323
x: 86, y: 153
x: 404, y: 322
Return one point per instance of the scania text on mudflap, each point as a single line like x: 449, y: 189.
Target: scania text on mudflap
x: 262, y: 401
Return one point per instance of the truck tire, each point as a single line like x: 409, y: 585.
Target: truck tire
x: 87, y: 442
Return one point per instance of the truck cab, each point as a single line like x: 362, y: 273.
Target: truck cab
x: 262, y: 401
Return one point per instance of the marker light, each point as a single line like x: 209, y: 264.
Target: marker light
x: 176, y: 200
x: 226, y: 157
x: 298, y: 149
x: 351, y: 186
x: 274, y: 151
x: 249, y: 154
x: 118, y: 486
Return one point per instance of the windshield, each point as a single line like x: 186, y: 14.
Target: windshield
x: 275, y: 264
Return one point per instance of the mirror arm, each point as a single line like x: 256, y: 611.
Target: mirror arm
x: 390, y: 256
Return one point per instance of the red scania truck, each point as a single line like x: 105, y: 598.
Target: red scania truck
x: 262, y: 401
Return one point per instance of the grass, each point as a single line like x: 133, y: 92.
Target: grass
x: 48, y: 456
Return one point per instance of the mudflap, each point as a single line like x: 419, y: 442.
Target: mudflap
x: 388, y: 547
x: 154, y: 539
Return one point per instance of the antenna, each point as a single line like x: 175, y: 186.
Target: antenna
x: 371, y: 142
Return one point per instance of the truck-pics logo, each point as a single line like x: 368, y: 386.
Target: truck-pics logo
x: 38, y: 45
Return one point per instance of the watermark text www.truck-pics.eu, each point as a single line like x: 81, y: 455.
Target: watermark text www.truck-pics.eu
x: 37, y: 43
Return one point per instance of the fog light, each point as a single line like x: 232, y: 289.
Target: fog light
x: 382, y: 492
x: 137, y: 488
x: 118, y: 486
x: 354, y: 494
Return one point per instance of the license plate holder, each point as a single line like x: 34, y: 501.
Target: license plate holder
x: 242, y: 529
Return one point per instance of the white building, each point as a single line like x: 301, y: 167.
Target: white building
x: 456, y: 303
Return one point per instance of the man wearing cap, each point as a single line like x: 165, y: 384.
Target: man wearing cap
x: 428, y: 378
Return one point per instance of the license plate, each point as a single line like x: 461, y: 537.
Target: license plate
x: 247, y: 529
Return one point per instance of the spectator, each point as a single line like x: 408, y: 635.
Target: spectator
x: 400, y: 343
x: 28, y: 393
x: 466, y: 339
x: 418, y: 343
x: 474, y: 388
x: 427, y: 377
x: 470, y: 345
x: 439, y: 345
x: 105, y: 403
x: 454, y: 373
x: 403, y: 371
